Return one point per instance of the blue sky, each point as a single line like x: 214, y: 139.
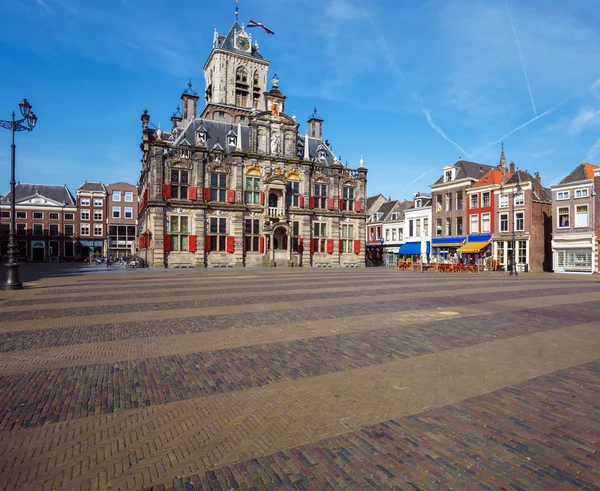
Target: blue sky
x: 410, y: 85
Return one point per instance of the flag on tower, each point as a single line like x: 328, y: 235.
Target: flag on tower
x: 252, y: 23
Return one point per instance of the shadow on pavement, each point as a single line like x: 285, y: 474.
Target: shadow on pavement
x: 30, y: 272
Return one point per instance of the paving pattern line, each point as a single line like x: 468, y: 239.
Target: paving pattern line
x: 208, y: 431
x: 182, y: 313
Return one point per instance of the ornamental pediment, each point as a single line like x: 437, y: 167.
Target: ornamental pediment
x: 38, y: 199
x: 180, y: 164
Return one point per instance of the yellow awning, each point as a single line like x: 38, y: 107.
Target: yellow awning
x: 472, y: 247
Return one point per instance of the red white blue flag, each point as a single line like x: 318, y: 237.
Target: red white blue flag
x: 258, y: 24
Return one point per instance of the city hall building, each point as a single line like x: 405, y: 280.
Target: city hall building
x: 235, y: 184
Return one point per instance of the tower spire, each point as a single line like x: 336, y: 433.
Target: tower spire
x: 502, y: 159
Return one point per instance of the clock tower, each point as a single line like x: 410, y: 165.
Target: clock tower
x: 236, y: 77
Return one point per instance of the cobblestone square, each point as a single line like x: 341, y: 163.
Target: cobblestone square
x: 300, y: 379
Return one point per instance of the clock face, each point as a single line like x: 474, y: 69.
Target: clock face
x: 243, y: 43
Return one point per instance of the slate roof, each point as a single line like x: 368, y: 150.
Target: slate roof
x: 228, y: 42
x: 216, y: 138
x: 92, y: 186
x: 399, y: 207
x: 466, y: 169
x: 544, y: 194
x: 386, y: 208
x: 55, y: 193
x: 372, y: 199
x: 582, y: 172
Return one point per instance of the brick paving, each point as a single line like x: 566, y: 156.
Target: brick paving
x: 300, y: 379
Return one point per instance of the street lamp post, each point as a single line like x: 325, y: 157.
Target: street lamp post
x: 27, y: 123
x: 517, y: 191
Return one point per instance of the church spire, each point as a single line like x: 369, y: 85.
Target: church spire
x: 502, y: 160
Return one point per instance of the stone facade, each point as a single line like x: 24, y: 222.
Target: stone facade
x: 237, y: 185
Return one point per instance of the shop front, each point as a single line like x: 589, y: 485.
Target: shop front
x: 445, y: 247
x: 573, y: 254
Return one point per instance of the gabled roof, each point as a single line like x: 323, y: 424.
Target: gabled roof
x: 399, y: 207
x: 467, y: 170
x: 372, y: 199
x: 385, y: 209
x: 92, y: 186
x: 582, y: 172
x: 491, y: 177
x: 59, y: 194
x: 522, y: 176
x: 228, y: 42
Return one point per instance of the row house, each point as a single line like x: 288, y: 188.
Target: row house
x: 417, y: 220
x: 596, y: 208
x: 393, y: 231
x: 237, y: 185
x: 91, y: 219
x: 122, y: 217
x: 523, y: 220
x: 45, y: 222
x: 375, y: 232
x: 574, y: 228
x: 449, y: 210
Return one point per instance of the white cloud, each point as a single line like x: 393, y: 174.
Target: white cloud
x: 586, y: 117
x: 593, y: 152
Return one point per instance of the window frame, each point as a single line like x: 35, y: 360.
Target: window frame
x: 84, y: 214
x: 97, y: 228
x: 116, y: 195
x: 127, y: 194
x: 67, y: 215
x: 486, y: 199
x: 348, y: 198
x: 474, y: 218
x: 118, y: 210
x: 53, y: 230
x: 67, y: 234
x: 503, y: 202
x: 562, y: 195
x: 252, y: 189
x: 21, y: 215
x: 218, y: 233
x: 320, y: 195
x: 179, y: 184
x: 521, y: 219
x: 486, y: 218
x: 21, y: 226
x: 347, y: 238
x: 252, y: 234
x: 577, y: 215
x: 128, y: 210
x: 560, y: 216
x: 84, y: 229
x: 474, y: 201
x: 519, y: 199
x: 218, y: 190
x: 37, y: 230
x: 40, y: 217
x: 98, y: 215
x: 179, y: 238
x: 503, y: 219
x: 84, y: 201
x: 320, y: 236
x: 98, y: 202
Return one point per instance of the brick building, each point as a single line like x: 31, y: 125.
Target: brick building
x: 45, y: 221
x: 528, y: 213
x: 574, y: 243
x: 238, y: 185
x: 91, y: 219
x: 121, y: 220
x: 596, y: 202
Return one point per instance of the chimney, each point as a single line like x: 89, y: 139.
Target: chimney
x: 537, y: 183
x: 512, y: 167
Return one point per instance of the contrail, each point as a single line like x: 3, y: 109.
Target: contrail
x: 382, y: 42
x: 520, y: 56
x: 414, y: 181
x: 503, y: 137
x: 441, y: 132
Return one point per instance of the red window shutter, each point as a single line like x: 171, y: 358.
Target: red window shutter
x: 147, y: 194
x: 311, y: 202
x: 341, y: 205
x: 330, y: 203
x: 206, y: 194
x: 166, y: 243
x: 207, y: 243
x: 193, y: 193
x: 312, y: 245
x: 262, y: 198
x: 301, y: 201
x: 329, y: 246
x: 230, y: 243
x: 340, y: 246
x: 357, y: 206
x: 193, y: 243
x: 300, y: 244
x: 230, y: 196
x: 357, y: 246
x: 166, y: 191
x: 140, y: 243
x: 261, y: 243
x: 244, y: 244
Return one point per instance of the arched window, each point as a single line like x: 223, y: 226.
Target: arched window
x: 241, y: 87
x: 256, y: 90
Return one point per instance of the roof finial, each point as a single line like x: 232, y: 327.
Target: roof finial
x: 362, y: 162
x: 237, y: 11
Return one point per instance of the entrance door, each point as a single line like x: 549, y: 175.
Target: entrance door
x: 37, y: 251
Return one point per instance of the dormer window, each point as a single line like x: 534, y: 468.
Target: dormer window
x: 418, y: 203
x: 202, y: 135
x: 231, y: 139
x: 448, y: 175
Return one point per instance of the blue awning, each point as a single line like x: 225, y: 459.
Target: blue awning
x: 413, y: 248
x: 91, y: 243
x: 479, y: 238
x: 448, y: 241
